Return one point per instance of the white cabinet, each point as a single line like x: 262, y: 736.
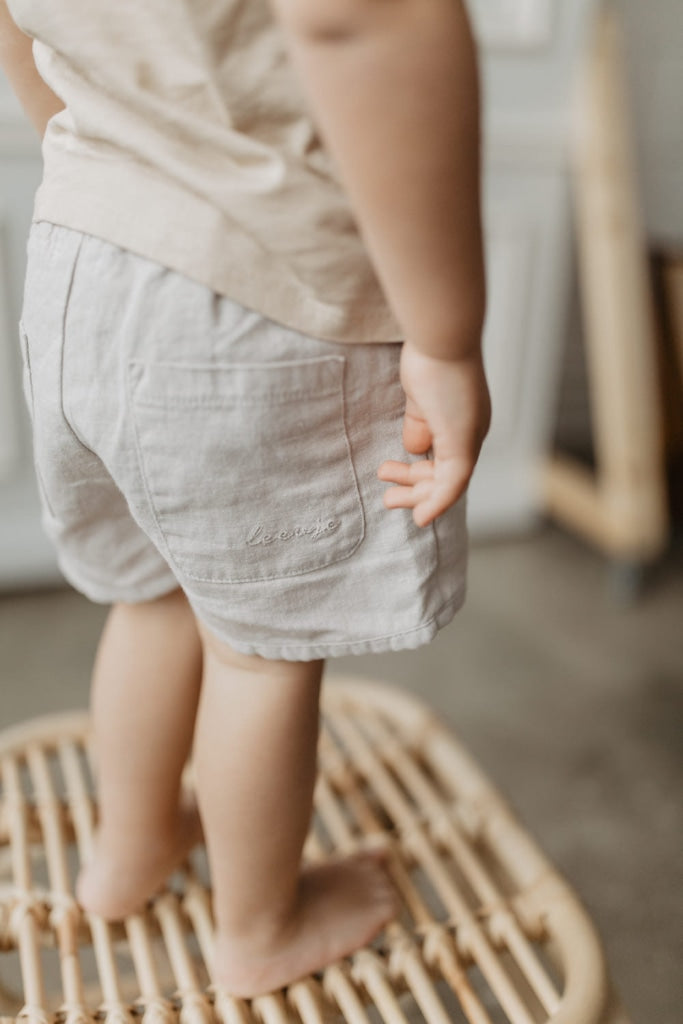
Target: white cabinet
x: 25, y: 554
x: 9, y: 428
x: 513, y: 24
x: 527, y: 237
x: 531, y: 55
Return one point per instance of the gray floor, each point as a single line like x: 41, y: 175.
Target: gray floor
x: 572, y: 703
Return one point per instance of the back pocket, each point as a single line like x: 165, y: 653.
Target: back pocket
x: 247, y: 467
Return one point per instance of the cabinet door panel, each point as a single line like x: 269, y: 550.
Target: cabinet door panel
x: 528, y: 252
x: 512, y: 24
x: 9, y: 427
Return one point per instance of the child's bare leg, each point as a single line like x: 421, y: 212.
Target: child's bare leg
x: 146, y: 685
x: 255, y: 759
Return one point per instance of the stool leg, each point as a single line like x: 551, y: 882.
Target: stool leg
x: 623, y: 507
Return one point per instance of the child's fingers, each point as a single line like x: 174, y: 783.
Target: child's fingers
x: 417, y: 437
x: 428, y: 488
x: 408, y: 495
x: 430, y: 506
x: 425, y: 512
x: 400, y: 497
x: 405, y: 472
x: 448, y: 485
x: 426, y: 502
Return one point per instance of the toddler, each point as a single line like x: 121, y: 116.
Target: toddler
x: 254, y: 297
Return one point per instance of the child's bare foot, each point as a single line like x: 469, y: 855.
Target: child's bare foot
x: 127, y: 871
x: 341, y: 906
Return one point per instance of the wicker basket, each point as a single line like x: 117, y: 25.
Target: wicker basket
x: 489, y: 933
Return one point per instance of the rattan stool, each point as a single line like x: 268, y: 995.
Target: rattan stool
x: 489, y: 933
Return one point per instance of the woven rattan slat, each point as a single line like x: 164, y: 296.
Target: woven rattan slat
x: 473, y: 940
x: 502, y: 923
x: 488, y: 933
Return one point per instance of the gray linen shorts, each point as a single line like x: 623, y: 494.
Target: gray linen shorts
x: 182, y: 440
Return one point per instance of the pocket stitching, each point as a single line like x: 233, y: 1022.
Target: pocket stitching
x: 158, y: 517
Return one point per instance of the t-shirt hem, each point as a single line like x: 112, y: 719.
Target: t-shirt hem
x: 193, y: 242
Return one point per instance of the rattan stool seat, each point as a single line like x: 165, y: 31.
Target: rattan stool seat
x: 489, y: 932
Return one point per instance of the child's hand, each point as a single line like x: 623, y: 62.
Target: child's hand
x: 448, y: 410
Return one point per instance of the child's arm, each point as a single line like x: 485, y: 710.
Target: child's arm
x: 16, y: 59
x: 394, y: 86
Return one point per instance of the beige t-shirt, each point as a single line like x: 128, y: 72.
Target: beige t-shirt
x: 186, y: 138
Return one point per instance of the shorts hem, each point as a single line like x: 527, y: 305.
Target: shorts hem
x: 405, y: 640
x: 124, y: 595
